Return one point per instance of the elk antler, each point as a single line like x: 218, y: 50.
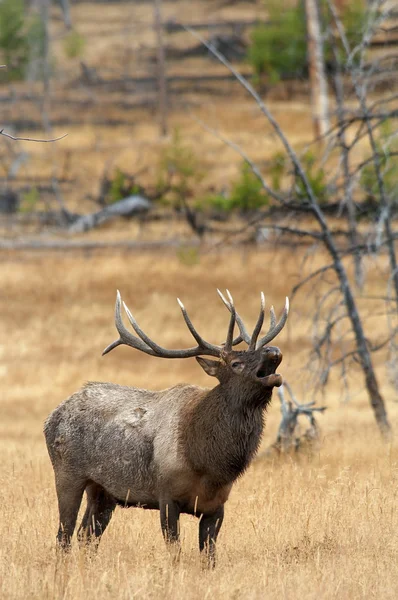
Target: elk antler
x: 243, y: 336
x: 274, y: 327
x: 251, y: 340
x: 145, y: 344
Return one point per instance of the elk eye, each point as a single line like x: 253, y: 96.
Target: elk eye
x: 235, y: 365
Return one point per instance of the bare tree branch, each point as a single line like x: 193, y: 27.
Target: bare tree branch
x: 21, y: 139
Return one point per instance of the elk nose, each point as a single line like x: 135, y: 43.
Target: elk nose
x: 273, y: 353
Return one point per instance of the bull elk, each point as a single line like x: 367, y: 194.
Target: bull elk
x: 177, y: 450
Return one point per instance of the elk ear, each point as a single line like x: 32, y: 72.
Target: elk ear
x: 209, y: 366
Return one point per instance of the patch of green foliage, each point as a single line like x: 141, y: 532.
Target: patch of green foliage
x: 21, y: 38
x: 280, y: 169
x: 121, y: 186
x: 280, y: 47
x: 353, y: 19
x: 188, y: 255
x: 388, y: 162
x: 277, y: 170
x: 316, y: 177
x: 74, y: 44
x: 179, y: 172
x: 247, y: 194
x: 218, y: 202
x: 29, y: 200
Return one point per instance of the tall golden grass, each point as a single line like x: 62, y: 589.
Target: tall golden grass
x: 320, y: 527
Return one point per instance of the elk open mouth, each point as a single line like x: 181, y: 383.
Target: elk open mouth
x: 270, y: 379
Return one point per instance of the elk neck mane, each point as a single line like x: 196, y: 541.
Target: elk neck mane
x: 221, y: 431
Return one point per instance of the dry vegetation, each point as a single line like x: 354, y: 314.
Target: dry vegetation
x: 315, y: 528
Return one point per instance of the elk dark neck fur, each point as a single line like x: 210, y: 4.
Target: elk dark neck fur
x: 223, y: 430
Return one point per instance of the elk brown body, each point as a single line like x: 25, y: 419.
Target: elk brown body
x: 177, y: 450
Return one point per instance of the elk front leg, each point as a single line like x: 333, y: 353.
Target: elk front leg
x: 170, y: 520
x: 209, y: 527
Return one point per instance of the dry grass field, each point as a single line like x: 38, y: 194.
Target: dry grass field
x: 321, y: 527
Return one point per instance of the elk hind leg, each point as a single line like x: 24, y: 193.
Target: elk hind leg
x: 100, y: 507
x: 69, y: 493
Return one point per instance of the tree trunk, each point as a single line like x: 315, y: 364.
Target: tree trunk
x: 319, y: 92
x: 347, y: 178
x: 66, y: 12
x: 375, y: 398
x: 161, y: 66
x: 45, y: 108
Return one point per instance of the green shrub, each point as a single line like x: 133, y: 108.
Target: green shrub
x: 353, y: 19
x: 29, y: 200
x: 22, y: 38
x: 218, y: 202
x: 74, y: 44
x: 388, y: 161
x: 316, y: 177
x: 277, y: 170
x: 121, y: 186
x: 280, y: 47
x: 14, y: 46
x: 188, y: 255
x: 247, y: 194
x: 179, y: 172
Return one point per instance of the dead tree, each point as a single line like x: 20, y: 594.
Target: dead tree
x: 319, y: 90
x: 161, y: 68
x: 66, y: 12
x: 359, y: 350
x: 289, y: 437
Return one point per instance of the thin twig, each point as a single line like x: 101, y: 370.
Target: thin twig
x: 21, y: 139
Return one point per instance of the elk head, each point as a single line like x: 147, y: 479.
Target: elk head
x: 256, y: 365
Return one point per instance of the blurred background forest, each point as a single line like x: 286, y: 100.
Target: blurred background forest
x: 201, y: 144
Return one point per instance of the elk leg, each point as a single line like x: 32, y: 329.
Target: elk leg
x: 209, y: 527
x: 170, y: 520
x: 69, y: 499
x: 100, y: 507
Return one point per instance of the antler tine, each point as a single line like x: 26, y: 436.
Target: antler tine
x: 275, y: 328
x: 223, y: 298
x: 230, y: 335
x: 126, y: 337
x: 201, y: 342
x: 272, y: 318
x: 244, y: 335
x: 259, y: 324
x: 146, y: 339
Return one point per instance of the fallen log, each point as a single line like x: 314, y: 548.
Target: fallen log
x: 128, y: 207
